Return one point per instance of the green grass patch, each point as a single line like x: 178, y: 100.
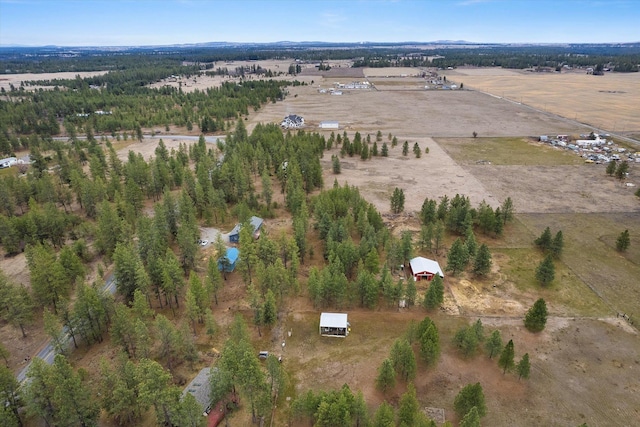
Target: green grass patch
x: 9, y: 172
x: 568, y: 294
x: 589, y: 252
x: 506, y: 151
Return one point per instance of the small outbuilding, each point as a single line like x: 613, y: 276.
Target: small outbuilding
x: 256, y: 223
x: 334, y: 325
x: 330, y: 124
x: 424, y: 268
x: 227, y: 263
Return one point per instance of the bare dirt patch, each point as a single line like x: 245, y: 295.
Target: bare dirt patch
x: 433, y: 175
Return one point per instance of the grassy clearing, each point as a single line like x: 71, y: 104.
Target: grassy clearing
x: 119, y: 145
x: 567, y: 294
x: 591, y: 256
x: 506, y: 151
x: 9, y: 172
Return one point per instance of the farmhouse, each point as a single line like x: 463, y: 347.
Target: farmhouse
x: 330, y: 124
x: 292, y: 121
x: 256, y: 223
x: 334, y: 325
x: 424, y: 268
x: 200, y: 389
x: 227, y: 263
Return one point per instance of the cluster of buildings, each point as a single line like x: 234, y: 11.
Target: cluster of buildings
x: 594, y: 148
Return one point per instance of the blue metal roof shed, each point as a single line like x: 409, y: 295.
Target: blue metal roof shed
x: 231, y: 257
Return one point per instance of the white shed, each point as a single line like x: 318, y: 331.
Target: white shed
x: 334, y: 325
x: 330, y: 124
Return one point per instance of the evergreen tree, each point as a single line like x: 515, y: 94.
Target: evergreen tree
x: 611, y: 168
x: 493, y: 345
x: 482, y: 263
x: 506, y: 357
x: 557, y: 245
x: 623, y: 241
x: 386, y: 379
x: 622, y: 170
x: 470, y: 242
x: 471, y: 419
x: 545, y: 272
x: 523, y: 367
x: 430, y: 344
x: 385, y: 150
x: 384, y: 416
x: 335, y: 162
x: 545, y: 241
x: 408, y: 408
x: 434, y: 296
x: 536, y: 317
x: 411, y: 292
x: 507, y: 210
x: 10, y: 394
x: 457, y: 258
x: 405, y: 148
x: 469, y: 397
x: 416, y: 150
x: 397, y: 201
x: 403, y: 359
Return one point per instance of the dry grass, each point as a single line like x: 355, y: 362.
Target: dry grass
x: 608, y: 102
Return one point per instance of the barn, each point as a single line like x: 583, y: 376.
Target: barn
x: 334, y: 325
x: 424, y: 268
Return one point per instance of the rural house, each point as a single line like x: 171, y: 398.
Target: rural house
x: 424, y: 268
x: 200, y: 389
x: 227, y: 263
x: 292, y: 121
x: 8, y: 162
x: 334, y: 325
x: 256, y: 223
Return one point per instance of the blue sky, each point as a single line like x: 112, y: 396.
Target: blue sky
x: 157, y: 22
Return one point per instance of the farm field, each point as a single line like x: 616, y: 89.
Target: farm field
x: 607, y: 102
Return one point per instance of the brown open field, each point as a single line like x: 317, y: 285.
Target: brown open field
x: 411, y: 114
x: 607, y: 102
x: 16, y: 79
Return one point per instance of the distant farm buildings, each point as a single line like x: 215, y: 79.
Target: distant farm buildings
x: 354, y: 85
x: 329, y: 124
x: 292, y: 121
